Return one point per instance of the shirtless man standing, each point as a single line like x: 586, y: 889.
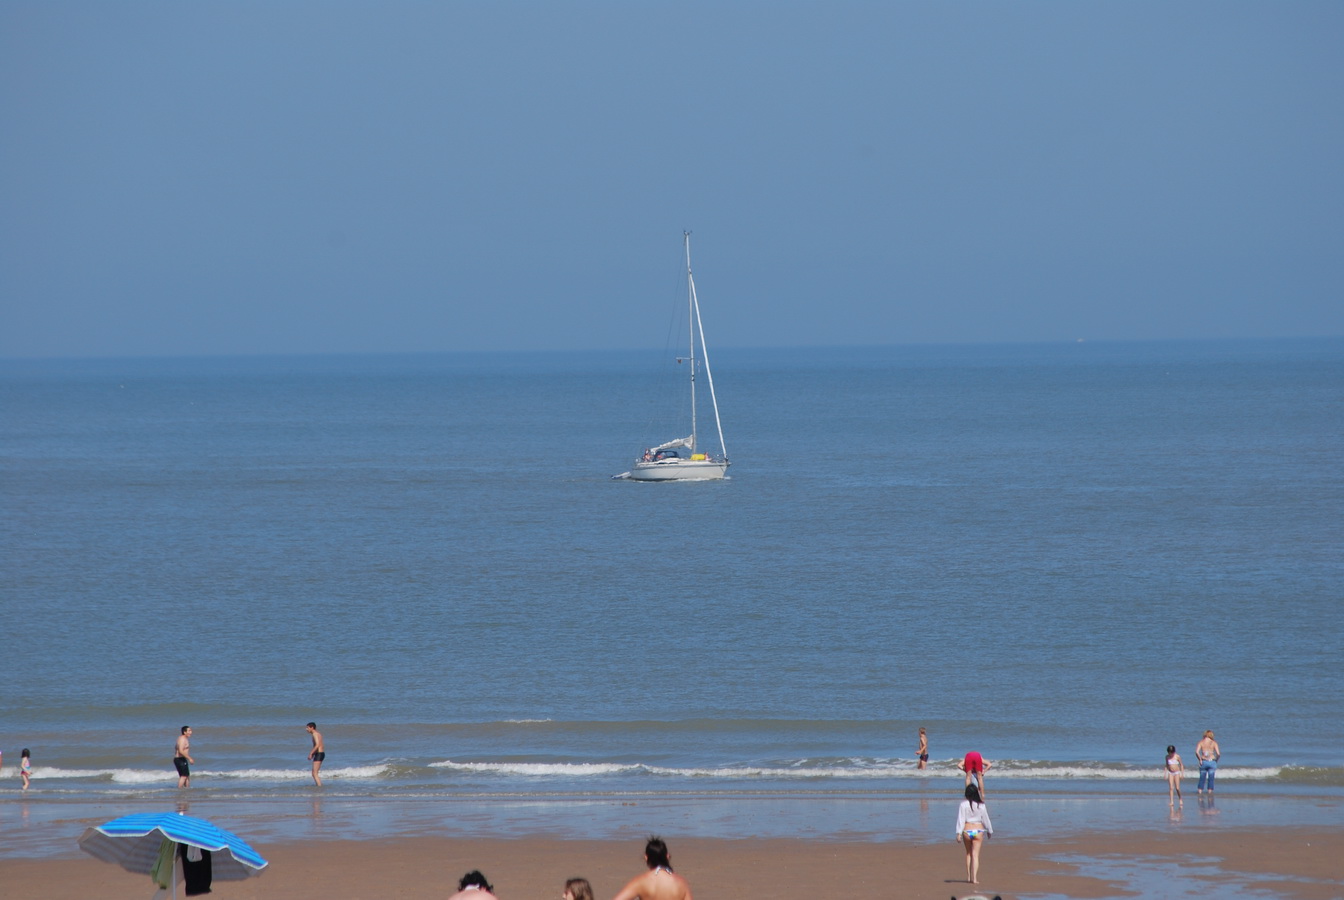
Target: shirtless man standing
x: 182, y: 757
x: 923, y: 750
x: 318, y: 753
x: 659, y: 883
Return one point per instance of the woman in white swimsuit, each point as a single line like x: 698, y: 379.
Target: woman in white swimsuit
x: 973, y: 829
x: 1175, y: 769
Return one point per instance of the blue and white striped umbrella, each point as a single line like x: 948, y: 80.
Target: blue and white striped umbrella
x: 133, y: 843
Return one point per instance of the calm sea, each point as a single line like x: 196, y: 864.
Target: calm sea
x: 1064, y: 556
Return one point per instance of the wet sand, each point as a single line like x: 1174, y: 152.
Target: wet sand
x: 1305, y: 863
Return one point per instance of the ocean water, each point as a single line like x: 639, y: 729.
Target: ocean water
x: 1063, y: 556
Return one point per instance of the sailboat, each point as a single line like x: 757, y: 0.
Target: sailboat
x: 682, y: 459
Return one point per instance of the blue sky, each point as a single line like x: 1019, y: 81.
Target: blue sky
x: 313, y: 177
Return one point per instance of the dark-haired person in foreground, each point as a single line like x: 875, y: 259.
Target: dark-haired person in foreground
x: 473, y: 886
x: 973, y: 829
x: 660, y: 882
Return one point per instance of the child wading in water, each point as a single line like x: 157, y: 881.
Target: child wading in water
x: 25, y: 767
x: 1175, y: 769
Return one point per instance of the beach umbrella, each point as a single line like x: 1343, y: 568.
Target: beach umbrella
x: 145, y: 843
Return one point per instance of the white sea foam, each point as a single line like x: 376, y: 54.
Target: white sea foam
x: 129, y: 776
x: 799, y: 771
x: 846, y: 771
x: 301, y: 774
x: 540, y: 769
x: 157, y: 776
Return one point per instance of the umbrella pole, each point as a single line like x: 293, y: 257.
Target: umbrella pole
x: 175, y: 846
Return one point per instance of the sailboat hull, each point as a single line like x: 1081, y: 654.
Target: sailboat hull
x: 679, y: 470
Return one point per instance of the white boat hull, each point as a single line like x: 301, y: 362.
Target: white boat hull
x: 679, y: 470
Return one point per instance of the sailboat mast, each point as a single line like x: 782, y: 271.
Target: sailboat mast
x: 698, y: 327
x: 709, y: 374
x: 690, y: 324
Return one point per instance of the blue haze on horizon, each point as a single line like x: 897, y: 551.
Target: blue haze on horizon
x: 351, y: 177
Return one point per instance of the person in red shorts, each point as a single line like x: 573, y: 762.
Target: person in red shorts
x: 974, y: 765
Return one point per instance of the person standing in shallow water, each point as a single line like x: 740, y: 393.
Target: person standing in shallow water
x: 319, y: 752
x: 1207, y: 752
x: 1175, y: 769
x: 182, y: 760
x: 923, y: 751
x: 975, y: 766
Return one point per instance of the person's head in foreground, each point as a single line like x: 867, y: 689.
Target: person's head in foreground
x: 655, y: 854
x: 578, y: 889
x: 474, y: 879
x: 973, y: 793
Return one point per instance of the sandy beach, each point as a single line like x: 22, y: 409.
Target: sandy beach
x: 1283, y: 862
